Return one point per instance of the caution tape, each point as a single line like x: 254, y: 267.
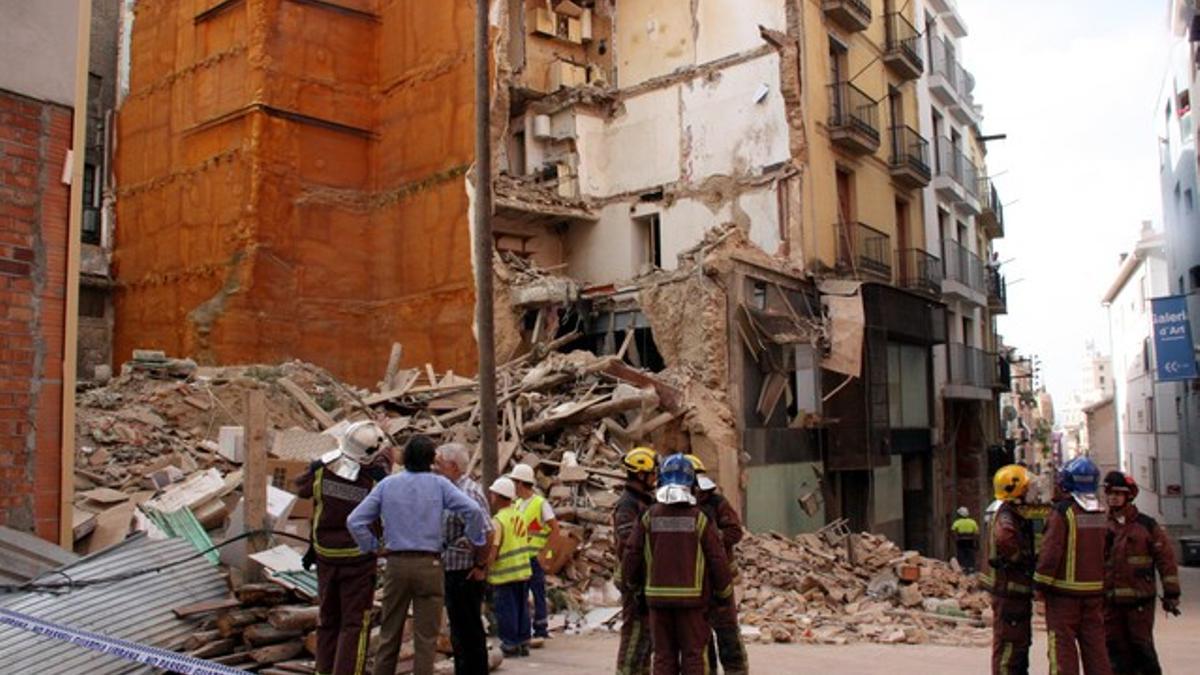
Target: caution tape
x: 130, y: 651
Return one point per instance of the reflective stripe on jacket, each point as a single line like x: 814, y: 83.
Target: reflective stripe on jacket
x: 1010, y: 554
x: 512, y: 558
x: 334, y: 498
x: 1071, y: 561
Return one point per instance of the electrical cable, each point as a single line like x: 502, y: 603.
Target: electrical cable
x: 33, y: 585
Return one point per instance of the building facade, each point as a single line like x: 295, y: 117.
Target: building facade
x: 1151, y: 430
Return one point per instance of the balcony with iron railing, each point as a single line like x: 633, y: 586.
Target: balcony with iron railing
x: 943, y: 71
x: 864, y: 252
x: 919, y: 271
x: 853, y: 119
x: 964, y: 273
x: 997, y: 292
x: 903, y: 54
x: 991, y: 217
x: 956, y: 178
x: 972, y: 372
x: 851, y: 15
x: 910, y: 158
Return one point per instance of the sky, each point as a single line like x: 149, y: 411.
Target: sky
x: 1074, y: 84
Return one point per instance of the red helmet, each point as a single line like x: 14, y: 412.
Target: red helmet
x: 1115, y: 481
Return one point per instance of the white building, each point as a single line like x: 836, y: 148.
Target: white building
x: 1147, y: 412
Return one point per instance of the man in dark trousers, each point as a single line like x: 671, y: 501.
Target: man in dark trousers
x: 728, y: 647
x: 337, y: 483
x: 465, y: 569
x: 1010, y: 577
x: 676, y: 556
x: 633, y: 655
x: 1070, y: 572
x: 1137, y: 546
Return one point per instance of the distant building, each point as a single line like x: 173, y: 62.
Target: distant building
x: 1149, y: 426
x: 1100, y: 434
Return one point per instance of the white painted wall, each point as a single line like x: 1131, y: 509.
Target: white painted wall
x: 728, y: 28
x: 637, y: 150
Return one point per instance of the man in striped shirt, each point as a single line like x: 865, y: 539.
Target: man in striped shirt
x: 465, y: 580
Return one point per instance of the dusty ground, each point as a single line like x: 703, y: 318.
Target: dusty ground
x: 1178, y: 647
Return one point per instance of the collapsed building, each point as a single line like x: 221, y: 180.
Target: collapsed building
x: 699, y: 188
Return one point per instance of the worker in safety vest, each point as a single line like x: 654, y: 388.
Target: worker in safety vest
x: 966, y: 539
x: 675, y: 555
x: 509, y: 571
x: 723, y: 617
x: 1010, y: 574
x: 338, y: 482
x: 541, y: 525
x: 1137, y: 546
x: 633, y: 655
x: 1070, y: 572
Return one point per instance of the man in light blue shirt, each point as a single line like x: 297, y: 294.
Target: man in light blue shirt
x: 411, y: 506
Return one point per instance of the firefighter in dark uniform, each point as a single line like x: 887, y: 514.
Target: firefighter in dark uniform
x: 675, y: 555
x: 1070, y: 572
x: 723, y: 617
x: 633, y: 656
x: 345, y: 575
x: 1137, y: 546
x: 1010, y: 577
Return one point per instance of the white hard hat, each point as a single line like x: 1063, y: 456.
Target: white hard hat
x: 963, y: 512
x: 361, y: 441
x: 504, y: 487
x: 705, y: 483
x: 522, y: 473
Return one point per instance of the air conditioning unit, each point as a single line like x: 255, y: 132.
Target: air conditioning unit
x: 566, y: 74
x: 541, y: 128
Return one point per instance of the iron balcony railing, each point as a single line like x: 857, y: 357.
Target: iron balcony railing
x: 852, y: 108
x: 903, y: 37
x: 972, y: 367
x: 865, y: 250
x: 941, y: 53
x: 997, y: 290
x: 920, y: 271
x: 993, y: 207
x: 910, y: 149
x: 963, y: 266
x: 952, y: 163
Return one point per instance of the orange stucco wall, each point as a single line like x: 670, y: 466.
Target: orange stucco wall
x: 292, y: 183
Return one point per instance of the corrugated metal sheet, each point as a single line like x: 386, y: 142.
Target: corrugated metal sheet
x: 24, y: 556
x: 137, y: 609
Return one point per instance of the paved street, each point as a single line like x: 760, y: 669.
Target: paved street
x: 1178, y: 646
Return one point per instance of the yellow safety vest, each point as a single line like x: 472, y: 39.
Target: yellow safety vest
x: 533, y: 515
x: 512, y: 560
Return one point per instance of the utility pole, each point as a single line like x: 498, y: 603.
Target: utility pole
x: 485, y: 334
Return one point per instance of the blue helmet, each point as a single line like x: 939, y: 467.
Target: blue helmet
x: 1079, y: 476
x: 676, y: 470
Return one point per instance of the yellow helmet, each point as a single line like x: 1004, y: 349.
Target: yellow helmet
x: 697, y: 465
x: 640, y: 460
x: 1011, y: 482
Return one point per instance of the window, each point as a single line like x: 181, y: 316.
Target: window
x: 1188, y: 201
x: 1101, y: 380
x: 1149, y: 404
x: 1146, y: 355
x: 968, y: 330
x: 649, y: 233
x: 1194, y: 275
x: 908, y: 386
x: 91, y: 205
x: 837, y: 60
x: 1151, y: 482
x: 91, y: 302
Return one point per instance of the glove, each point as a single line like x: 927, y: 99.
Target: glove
x: 310, y: 558
x: 1171, y: 606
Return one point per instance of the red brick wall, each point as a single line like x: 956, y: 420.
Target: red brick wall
x: 34, y: 137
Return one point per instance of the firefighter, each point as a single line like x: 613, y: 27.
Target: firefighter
x: 1137, y: 546
x: 676, y: 556
x: 966, y: 539
x: 1010, y: 577
x: 723, y: 617
x: 1070, y: 572
x: 337, y: 482
x: 633, y: 656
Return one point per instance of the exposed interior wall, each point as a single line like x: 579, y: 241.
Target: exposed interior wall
x: 325, y: 183
x: 888, y: 502
x: 771, y: 498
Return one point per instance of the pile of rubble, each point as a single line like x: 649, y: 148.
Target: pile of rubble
x: 834, y: 587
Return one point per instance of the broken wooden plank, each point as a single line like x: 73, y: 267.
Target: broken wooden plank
x: 262, y: 634
x: 290, y: 617
x: 591, y: 413
x: 276, y: 653
x: 393, y: 365
x: 310, y: 406
x: 215, y: 648
x: 205, y: 606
